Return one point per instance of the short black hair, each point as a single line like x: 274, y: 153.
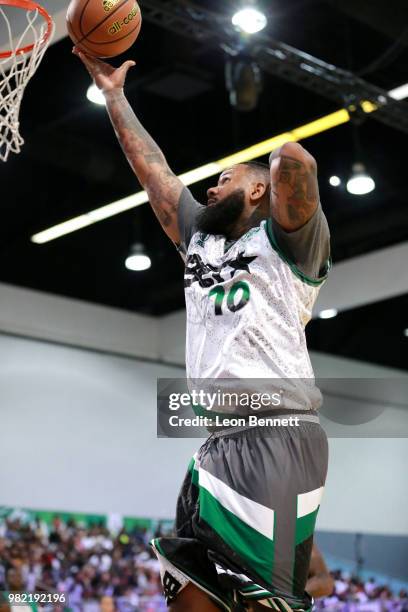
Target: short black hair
x: 259, y: 167
x: 256, y: 164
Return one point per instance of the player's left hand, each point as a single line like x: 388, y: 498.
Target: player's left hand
x: 106, y: 77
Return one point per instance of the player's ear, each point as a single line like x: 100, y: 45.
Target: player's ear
x: 258, y: 191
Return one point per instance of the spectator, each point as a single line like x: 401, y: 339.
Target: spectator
x: 102, y: 571
x: 97, y: 570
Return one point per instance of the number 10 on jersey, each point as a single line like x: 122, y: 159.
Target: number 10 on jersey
x: 240, y: 289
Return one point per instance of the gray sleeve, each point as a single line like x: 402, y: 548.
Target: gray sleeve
x: 308, y: 247
x: 188, y: 209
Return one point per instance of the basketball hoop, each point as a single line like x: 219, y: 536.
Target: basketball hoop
x: 17, y: 66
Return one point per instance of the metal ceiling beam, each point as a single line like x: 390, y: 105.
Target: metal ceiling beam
x: 277, y: 58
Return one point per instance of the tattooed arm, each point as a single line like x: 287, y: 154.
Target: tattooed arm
x: 294, y: 188
x: 147, y: 162
x: 143, y: 154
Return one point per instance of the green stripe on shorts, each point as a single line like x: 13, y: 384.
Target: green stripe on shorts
x: 253, y: 547
x: 193, y: 471
x: 308, y: 505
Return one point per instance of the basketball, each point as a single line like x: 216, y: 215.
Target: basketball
x: 103, y: 28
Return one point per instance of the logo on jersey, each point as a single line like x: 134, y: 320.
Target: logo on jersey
x: 171, y: 586
x: 207, y: 275
x: 201, y: 239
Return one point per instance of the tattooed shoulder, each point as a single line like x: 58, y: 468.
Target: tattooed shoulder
x: 295, y: 192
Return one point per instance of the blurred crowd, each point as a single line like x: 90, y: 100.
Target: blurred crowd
x: 351, y: 594
x: 98, y: 570
x: 114, y: 570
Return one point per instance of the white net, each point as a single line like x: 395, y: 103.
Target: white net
x: 16, y: 70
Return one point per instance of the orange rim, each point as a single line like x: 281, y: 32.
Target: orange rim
x: 28, y: 5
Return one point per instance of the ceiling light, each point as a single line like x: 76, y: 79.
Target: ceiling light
x: 137, y: 259
x: 368, y: 106
x: 95, y: 95
x: 334, y: 181
x: 329, y: 313
x: 360, y: 182
x: 399, y: 93
x: 249, y: 20
x: 406, y: 332
x: 244, y: 84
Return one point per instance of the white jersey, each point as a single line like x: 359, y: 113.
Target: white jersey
x: 247, y: 309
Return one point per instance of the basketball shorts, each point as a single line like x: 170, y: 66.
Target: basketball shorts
x: 246, y: 515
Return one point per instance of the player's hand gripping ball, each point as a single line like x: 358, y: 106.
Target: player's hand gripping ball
x: 103, y: 28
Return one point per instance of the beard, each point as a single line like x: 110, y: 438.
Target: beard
x: 221, y: 217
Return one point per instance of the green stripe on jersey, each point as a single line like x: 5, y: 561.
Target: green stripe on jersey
x: 314, y: 282
x: 201, y: 411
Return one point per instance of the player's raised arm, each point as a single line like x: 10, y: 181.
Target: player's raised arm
x: 294, y: 188
x: 145, y: 157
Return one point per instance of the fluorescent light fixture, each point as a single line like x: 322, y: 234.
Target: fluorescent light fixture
x: 193, y: 176
x: 334, y: 181
x: 198, y: 174
x: 99, y: 214
x: 321, y: 125
x: 329, y: 313
x: 399, y: 93
x: 249, y: 20
x: 138, y: 262
x: 360, y: 182
x: 95, y: 95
